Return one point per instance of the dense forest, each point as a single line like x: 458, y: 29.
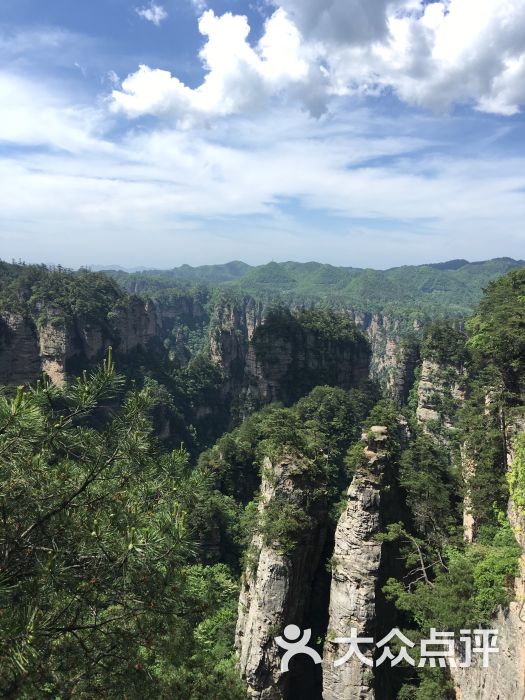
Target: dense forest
x: 436, y: 290
x: 131, y: 498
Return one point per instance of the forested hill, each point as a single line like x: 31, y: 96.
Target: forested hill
x: 442, y: 289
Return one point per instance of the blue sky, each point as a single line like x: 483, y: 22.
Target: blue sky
x: 366, y: 133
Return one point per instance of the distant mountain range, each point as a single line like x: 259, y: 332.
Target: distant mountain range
x: 450, y: 288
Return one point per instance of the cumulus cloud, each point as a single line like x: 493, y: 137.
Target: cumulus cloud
x: 430, y: 54
x: 340, y: 21
x: 152, y: 13
x: 240, y: 78
x: 455, y: 51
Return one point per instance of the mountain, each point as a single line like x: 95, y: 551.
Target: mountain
x: 436, y: 290
x: 200, y: 470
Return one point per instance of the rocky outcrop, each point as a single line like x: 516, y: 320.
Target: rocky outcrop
x: 283, y: 366
x: 52, y: 344
x: 276, y: 587
x: 136, y: 324
x: 19, y: 353
x: 266, y: 360
x: 393, y: 362
x: 226, y: 326
x: 390, y: 363
x: 355, y: 573
x: 230, y: 339
x: 55, y: 347
x: 505, y: 677
x: 440, y: 391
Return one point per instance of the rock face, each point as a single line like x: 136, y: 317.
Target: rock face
x: 285, y: 366
x: 505, y: 677
x: 440, y: 390
x: 30, y: 346
x: 236, y: 324
x: 19, y: 352
x: 229, y: 342
x: 355, y: 573
x: 276, y: 588
x: 264, y: 362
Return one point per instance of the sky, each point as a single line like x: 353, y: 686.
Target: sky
x: 369, y: 133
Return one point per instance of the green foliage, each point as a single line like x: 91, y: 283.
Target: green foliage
x: 409, y: 292
x: 386, y: 413
x: 284, y: 523
x: 101, y: 594
x: 321, y: 427
x: 480, y: 431
x: 433, y: 685
x: 355, y: 459
x: 447, y: 583
x: 332, y: 326
x: 467, y: 591
x: 516, y: 474
x: 498, y: 329
x: 431, y: 489
x: 313, y: 343
x: 57, y: 295
x: 444, y: 343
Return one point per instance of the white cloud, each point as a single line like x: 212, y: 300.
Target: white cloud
x: 38, y: 116
x: 432, y: 55
x: 240, y: 78
x: 455, y: 51
x: 152, y: 13
x: 356, y: 184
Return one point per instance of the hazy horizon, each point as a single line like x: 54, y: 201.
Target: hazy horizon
x: 100, y: 267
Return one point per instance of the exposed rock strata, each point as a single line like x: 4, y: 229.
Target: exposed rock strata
x: 277, y: 585
x: 19, y: 352
x: 262, y: 363
x: 355, y: 572
x: 29, y: 346
x: 440, y: 390
x: 505, y: 677
x: 135, y: 323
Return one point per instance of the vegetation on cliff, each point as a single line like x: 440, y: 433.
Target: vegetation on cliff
x: 450, y: 583
x: 57, y: 294
x: 121, y: 548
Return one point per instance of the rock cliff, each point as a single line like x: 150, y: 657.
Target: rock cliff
x: 355, y: 574
x: 505, y: 678
x: 233, y: 330
x: 30, y: 345
x: 266, y: 359
x: 391, y: 364
x: 55, y: 345
x: 440, y: 390
x: 276, y: 587
x: 19, y: 350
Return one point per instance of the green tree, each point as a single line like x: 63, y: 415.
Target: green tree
x: 100, y: 590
